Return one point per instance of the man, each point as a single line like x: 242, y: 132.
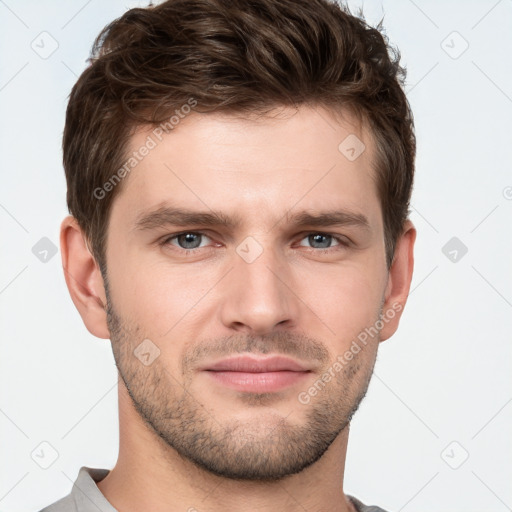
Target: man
x: 239, y: 175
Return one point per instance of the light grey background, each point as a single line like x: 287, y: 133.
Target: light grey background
x: 442, y: 388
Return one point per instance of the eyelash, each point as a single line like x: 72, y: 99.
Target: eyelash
x: 341, y: 240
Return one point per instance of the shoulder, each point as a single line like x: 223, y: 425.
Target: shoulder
x: 85, y: 495
x: 361, y: 507
x: 66, y: 504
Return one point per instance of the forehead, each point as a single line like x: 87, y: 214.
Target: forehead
x: 254, y: 169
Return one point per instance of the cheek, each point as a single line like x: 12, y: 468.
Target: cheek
x: 159, y: 297
x: 346, y: 301
x: 334, y: 302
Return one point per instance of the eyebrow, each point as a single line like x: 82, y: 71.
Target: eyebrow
x: 182, y: 217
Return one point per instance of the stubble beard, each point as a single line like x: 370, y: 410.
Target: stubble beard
x: 269, y: 447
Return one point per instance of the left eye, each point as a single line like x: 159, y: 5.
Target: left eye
x: 191, y: 240
x: 324, y: 239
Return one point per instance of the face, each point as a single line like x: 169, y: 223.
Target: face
x: 231, y: 295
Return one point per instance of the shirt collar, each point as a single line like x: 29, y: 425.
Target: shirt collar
x: 87, y: 496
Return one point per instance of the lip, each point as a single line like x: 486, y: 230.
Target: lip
x: 257, y: 375
x: 249, y: 364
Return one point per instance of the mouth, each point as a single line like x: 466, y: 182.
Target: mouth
x: 257, y: 375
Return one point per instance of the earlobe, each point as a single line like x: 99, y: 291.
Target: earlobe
x: 83, y: 278
x: 399, y: 281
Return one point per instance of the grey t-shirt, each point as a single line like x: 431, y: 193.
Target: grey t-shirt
x: 86, y: 497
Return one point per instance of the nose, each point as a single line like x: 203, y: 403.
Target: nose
x: 259, y: 296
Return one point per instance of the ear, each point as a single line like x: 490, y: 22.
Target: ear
x: 399, y: 281
x: 83, y: 278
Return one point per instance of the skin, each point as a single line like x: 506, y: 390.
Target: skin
x: 190, y: 443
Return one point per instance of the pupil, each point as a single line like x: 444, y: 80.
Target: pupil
x: 315, y: 237
x: 189, y: 239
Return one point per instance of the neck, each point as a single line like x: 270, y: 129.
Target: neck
x: 150, y: 475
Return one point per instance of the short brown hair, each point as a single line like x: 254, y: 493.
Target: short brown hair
x: 235, y: 56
